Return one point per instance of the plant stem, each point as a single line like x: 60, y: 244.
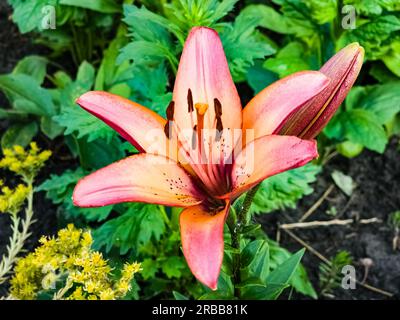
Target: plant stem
x: 235, y: 226
x: 18, y: 238
x: 248, y: 200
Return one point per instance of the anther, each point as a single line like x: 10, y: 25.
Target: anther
x: 170, y: 111
x: 219, y: 129
x: 217, y: 108
x: 167, y: 129
x: 219, y: 124
x: 190, y: 101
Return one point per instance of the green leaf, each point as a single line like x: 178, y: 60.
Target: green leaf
x: 74, y: 118
x: 179, y: 296
x: 109, y: 73
x: 135, y: 227
x: 243, y: 44
x: 382, y: 100
x: 59, y: 190
x: 259, y: 78
x: 148, y: 92
x: 375, y: 36
x: 298, y: 17
x: 269, y: 18
x: 103, y: 6
x: 251, y: 228
x: 150, y: 268
x: 99, y: 153
x: 300, y: 280
x: 359, y: 126
x: 34, y: 66
x: 349, y: 149
x: 392, y: 58
x: 344, y: 182
x: 152, y: 41
x: 285, y: 189
x: 50, y: 128
x: 290, y: 59
x: 255, y: 258
x: 23, y: 87
x: 172, y: 266
x: 19, y: 134
x: 28, y: 14
x: 323, y: 11
x: 381, y: 73
x: 56, y: 187
x: 282, y: 275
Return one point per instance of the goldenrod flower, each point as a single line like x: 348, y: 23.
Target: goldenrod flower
x: 11, y: 200
x: 69, y: 257
x: 25, y: 163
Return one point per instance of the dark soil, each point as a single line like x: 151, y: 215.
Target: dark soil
x: 377, y: 195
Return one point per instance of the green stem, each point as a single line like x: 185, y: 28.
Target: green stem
x: 248, y: 200
x: 235, y: 224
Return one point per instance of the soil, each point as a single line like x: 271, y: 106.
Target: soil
x: 377, y: 195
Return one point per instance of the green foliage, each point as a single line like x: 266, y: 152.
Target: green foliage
x: 312, y: 32
x: 259, y: 283
x: 19, y: 134
x: 32, y: 105
x: 330, y: 275
x: 59, y: 190
x: 285, y: 189
x: 155, y: 35
x: 71, y: 20
x: 368, y: 111
x: 75, y: 119
x: 394, y: 219
x: 133, y: 228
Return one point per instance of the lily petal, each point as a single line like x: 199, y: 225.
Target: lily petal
x: 204, y: 70
x: 343, y: 69
x: 137, y: 124
x: 139, y: 178
x: 267, y: 156
x: 267, y: 112
x: 202, y: 234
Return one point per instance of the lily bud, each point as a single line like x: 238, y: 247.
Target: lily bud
x: 343, y: 69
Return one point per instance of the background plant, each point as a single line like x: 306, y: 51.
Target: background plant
x: 25, y: 164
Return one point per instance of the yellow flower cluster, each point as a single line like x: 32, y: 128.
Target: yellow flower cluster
x: 69, y: 259
x: 25, y: 163
x: 11, y: 200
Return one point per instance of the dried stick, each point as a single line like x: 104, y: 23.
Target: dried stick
x: 334, y: 222
x: 318, y: 203
x: 326, y: 260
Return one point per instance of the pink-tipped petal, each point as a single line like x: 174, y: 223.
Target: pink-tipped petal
x: 204, y: 70
x: 202, y: 234
x: 137, y: 124
x: 139, y: 178
x: 343, y: 69
x: 267, y: 156
x: 267, y: 112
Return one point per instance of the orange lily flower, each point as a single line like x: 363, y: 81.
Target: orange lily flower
x: 182, y: 164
